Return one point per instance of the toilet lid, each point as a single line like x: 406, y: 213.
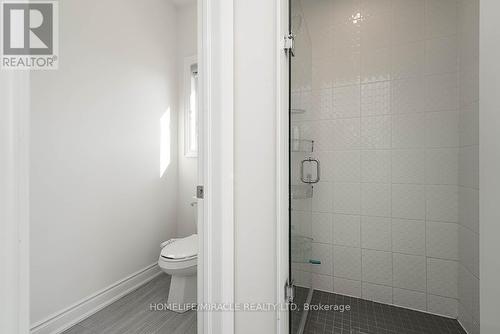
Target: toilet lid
x: 181, y: 248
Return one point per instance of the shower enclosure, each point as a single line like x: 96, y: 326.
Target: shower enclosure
x: 384, y: 164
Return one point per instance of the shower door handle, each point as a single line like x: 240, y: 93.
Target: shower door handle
x: 308, y: 179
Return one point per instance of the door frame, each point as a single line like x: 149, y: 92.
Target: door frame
x: 14, y: 202
x: 216, y: 223
x: 216, y: 164
x: 282, y: 163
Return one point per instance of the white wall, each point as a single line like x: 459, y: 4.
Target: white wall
x: 188, y: 166
x: 254, y: 165
x: 383, y: 109
x: 489, y: 166
x: 99, y: 208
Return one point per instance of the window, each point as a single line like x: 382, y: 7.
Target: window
x: 191, y: 109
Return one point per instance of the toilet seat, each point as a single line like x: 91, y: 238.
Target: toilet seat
x: 183, y: 249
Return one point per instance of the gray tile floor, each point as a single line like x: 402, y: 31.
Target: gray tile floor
x: 366, y: 317
x: 132, y: 314
x: 296, y: 314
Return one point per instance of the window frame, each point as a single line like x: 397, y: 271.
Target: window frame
x: 189, y: 62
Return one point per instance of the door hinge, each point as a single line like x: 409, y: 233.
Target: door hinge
x: 200, y: 192
x: 289, y: 44
x: 289, y: 291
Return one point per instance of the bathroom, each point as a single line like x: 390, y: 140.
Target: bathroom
x: 113, y: 164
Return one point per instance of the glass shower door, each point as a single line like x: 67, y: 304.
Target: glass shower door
x: 304, y: 168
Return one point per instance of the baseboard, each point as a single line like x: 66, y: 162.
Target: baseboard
x: 59, y: 322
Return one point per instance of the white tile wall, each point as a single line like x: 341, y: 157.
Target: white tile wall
x: 409, y: 272
x: 376, y: 233
x: 410, y: 299
x: 408, y: 201
x: 377, y: 293
x: 346, y: 230
x: 377, y: 267
x: 442, y: 277
x: 442, y: 305
x: 408, y: 236
x: 347, y: 287
x: 347, y: 262
x: 468, y: 166
x: 392, y: 107
x: 376, y: 199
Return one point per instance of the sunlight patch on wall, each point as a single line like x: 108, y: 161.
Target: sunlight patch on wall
x: 165, y: 141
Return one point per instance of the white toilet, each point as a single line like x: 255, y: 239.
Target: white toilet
x: 179, y: 258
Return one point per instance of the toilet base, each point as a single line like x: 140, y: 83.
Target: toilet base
x: 182, y: 295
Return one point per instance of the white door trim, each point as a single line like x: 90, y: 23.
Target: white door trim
x: 14, y: 202
x: 282, y: 121
x: 216, y: 223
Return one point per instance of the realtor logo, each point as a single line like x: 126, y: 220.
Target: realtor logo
x: 29, y: 35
